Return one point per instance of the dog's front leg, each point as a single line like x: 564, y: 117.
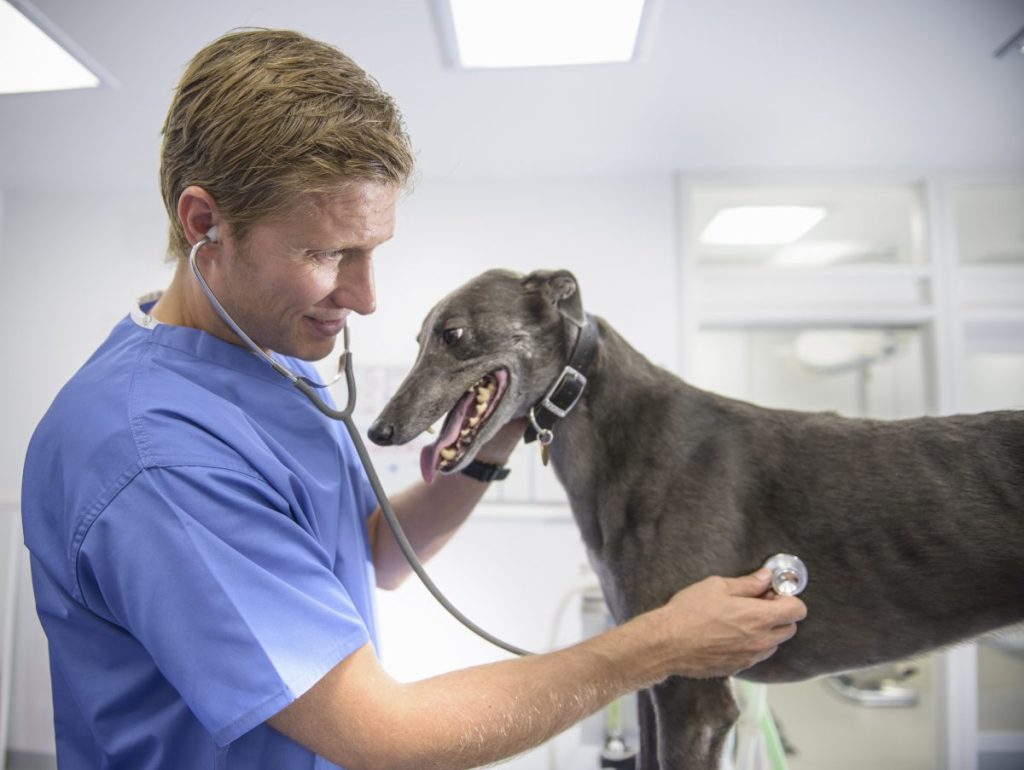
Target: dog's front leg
x: 647, y: 725
x: 694, y: 718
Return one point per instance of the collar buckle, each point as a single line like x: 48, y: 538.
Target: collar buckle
x: 565, y: 393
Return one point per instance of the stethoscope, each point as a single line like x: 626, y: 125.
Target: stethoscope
x: 789, y: 574
x: 310, y: 388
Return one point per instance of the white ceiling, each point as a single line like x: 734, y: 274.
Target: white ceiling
x: 722, y: 84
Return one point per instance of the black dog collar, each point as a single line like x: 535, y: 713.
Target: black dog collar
x: 565, y: 393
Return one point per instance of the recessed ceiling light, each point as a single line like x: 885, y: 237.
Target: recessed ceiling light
x: 761, y: 225
x: 535, y: 33
x: 31, y: 59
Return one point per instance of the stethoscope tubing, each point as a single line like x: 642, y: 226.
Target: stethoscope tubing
x: 345, y: 416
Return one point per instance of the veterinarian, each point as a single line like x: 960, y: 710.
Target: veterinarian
x: 205, y: 545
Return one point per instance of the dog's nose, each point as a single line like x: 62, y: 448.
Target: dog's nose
x: 381, y: 433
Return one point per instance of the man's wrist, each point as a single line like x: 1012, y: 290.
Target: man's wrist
x: 659, y: 649
x: 483, y: 471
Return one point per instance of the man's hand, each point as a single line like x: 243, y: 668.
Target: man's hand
x: 721, y: 626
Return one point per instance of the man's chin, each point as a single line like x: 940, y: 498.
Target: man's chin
x: 311, y: 351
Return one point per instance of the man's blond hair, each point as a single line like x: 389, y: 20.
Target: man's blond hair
x: 262, y: 117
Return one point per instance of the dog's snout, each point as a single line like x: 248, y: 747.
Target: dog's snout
x: 382, y: 433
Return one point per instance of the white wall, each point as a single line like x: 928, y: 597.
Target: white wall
x: 71, y: 263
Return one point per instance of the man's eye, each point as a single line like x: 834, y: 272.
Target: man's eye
x: 451, y: 336
x: 329, y: 256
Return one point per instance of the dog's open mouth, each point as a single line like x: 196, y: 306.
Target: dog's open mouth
x: 463, y: 424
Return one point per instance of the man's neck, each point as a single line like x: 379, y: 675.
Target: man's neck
x: 179, y: 307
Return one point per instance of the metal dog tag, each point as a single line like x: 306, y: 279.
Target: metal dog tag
x: 544, y: 437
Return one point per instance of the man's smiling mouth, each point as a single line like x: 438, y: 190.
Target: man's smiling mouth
x: 328, y: 327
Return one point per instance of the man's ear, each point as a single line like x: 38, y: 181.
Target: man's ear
x: 197, y: 212
x: 559, y: 289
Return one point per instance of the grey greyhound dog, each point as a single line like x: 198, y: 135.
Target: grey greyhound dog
x: 912, y: 530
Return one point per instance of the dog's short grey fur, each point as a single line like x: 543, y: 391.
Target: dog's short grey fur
x: 912, y: 530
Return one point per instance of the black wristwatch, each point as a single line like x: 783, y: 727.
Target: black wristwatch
x: 485, y: 471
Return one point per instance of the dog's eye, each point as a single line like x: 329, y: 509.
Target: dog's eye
x: 451, y: 336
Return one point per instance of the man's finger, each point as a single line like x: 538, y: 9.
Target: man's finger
x: 781, y: 634
x: 788, y: 609
x: 753, y: 585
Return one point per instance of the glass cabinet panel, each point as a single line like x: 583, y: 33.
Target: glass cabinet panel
x: 994, y: 371
x: 990, y: 223
x: 863, y: 372
x: 806, y: 226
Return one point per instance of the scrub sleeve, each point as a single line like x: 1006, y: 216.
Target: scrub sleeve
x: 238, y: 605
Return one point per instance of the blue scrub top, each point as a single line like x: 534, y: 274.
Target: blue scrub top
x: 200, y: 554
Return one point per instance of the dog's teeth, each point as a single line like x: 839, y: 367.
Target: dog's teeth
x: 465, y: 432
x: 448, y: 454
x: 473, y: 421
x: 483, y: 396
x: 480, y: 409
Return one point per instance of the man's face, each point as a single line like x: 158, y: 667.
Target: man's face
x: 293, y: 281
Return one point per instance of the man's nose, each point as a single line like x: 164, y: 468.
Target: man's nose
x: 356, y: 289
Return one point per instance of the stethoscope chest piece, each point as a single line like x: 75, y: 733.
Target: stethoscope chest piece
x: 789, y: 574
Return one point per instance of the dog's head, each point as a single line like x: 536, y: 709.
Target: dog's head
x: 488, y: 352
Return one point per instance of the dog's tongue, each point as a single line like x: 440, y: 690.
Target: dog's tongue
x: 430, y: 456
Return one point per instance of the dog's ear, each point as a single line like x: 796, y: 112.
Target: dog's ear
x: 558, y: 288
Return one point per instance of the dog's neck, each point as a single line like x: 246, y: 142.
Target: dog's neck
x: 619, y: 427
x: 586, y: 441
x: 624, y: 395
x: 567, y: 389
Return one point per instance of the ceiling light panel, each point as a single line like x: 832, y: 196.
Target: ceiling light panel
x: 31, y: 59
x: 535, y: 33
